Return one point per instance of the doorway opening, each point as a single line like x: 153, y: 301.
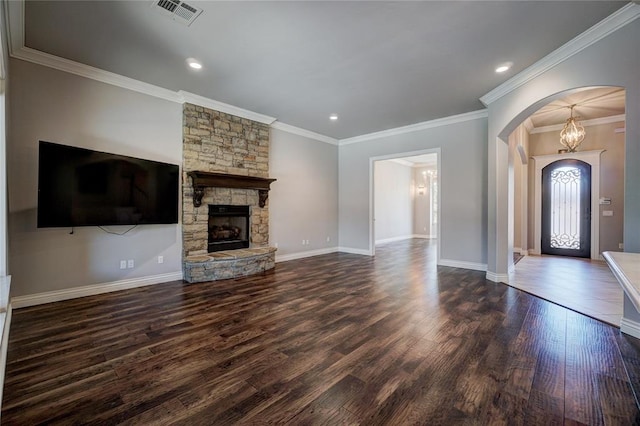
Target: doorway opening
x: 405, y: 198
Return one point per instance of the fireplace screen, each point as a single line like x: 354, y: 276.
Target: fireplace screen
x: 228, y: 227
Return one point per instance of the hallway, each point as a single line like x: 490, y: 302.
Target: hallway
x: 583, y: 285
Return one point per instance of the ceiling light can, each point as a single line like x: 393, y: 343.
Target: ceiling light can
x: 504, y: 67
x: 333, y: 117
x: 194, y: 63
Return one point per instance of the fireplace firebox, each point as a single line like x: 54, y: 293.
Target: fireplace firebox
x: 228, y: 227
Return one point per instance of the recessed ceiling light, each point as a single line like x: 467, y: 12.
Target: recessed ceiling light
x: 504, y: 67
x: 195, y: 64
x: 333, y: 117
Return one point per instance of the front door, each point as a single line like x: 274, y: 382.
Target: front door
x: 566, y: 208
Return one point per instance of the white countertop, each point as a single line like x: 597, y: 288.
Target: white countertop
x: 626, y: 268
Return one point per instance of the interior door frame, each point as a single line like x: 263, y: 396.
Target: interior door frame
x: 372, y: 227
x: 593, y: 159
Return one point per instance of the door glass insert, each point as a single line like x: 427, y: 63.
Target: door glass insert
x: 565, y: 208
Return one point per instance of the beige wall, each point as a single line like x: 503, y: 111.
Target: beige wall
x: 611, y: 175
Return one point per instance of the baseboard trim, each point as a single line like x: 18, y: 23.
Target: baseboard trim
x: 91, y: 290
x: 629, y: 327
x: 392, y: 239
x: 463, y: 265
x: 425, y: 236
x: 351, y: 250
x: 303, y: 254
x: 497, y: 278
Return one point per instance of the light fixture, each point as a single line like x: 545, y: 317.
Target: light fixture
x: 421, y: 189
x: 504, y: 67
x: 333, y: 117
x: 572, y: 134
x: 194, y: 63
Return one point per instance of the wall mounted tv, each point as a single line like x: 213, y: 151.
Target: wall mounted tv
x: 81, y: 187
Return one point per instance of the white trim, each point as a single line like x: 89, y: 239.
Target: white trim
x: 352, y: 250
x: 439, y: 122
x: 608, y: 25
x: 302, y: 132
x: 464, y: 265
x: 392, y: 239
x: 528, y: 124
x: 192, y: 98
x: 72, y: 67
x: 593, y: 159
x: 425, y: 236
x: 303, y: 254
x: 90, y: 290
x: 629, y: 327
x: 586, y: 123
x: 497, y: 278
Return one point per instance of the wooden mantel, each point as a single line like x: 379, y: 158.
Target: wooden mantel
x: 202, y: 180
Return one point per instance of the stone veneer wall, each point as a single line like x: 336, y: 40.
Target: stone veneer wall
x: 214, y: 141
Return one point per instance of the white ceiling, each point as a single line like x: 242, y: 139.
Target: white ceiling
x: 379, y: 65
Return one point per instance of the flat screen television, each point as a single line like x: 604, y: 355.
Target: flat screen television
x: 82, y: 187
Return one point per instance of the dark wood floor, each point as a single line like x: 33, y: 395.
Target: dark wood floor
x: 334, y: 339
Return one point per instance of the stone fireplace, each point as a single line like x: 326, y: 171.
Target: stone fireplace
x: 225, y: 163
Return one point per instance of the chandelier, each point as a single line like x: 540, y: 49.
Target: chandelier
x: 572, y: 134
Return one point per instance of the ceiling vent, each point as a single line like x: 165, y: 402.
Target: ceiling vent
x: 177, y: 10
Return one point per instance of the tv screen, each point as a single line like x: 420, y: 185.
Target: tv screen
x: 82, y: 187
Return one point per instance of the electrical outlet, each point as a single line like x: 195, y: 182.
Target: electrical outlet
x: 303, y: 242
x: 275, y: 245
x: 621, y: 246
x: 328, y: 239
x: 160, y: 259
x: 607, y: 213
x: 307, y: 242
x: 130, y: 263
x: 123, y: 264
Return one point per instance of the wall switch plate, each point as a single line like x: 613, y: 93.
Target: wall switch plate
x: 123, y: 264
x: 160, y: 259
x: 607, y: 213
x: 621, y: 246
x: 130, y: 263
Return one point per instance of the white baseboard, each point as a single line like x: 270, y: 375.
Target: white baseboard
x: 90, y: 290
x: 463, y: 265
x: 303, y: 254
x: 498, y: 278
x: 392, y: 239
x: 629, y: 327
x: 351, y: 250
x: 426, y: 236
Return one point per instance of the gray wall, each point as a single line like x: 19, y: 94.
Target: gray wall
x: 463, y: 184
x: 611, y: 176
x: 54, y: 106
x: 303, y: 202
x: 393, y: 183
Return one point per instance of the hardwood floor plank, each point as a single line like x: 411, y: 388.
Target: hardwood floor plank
x: 333, y: 339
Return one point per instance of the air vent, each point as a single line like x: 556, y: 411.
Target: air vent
x: 177, y: 10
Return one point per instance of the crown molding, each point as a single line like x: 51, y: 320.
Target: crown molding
x: 439, y: 122
x: 222, y: 107
x: 304, y: 133
x: 586, y: 123
x: 612, y: 23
